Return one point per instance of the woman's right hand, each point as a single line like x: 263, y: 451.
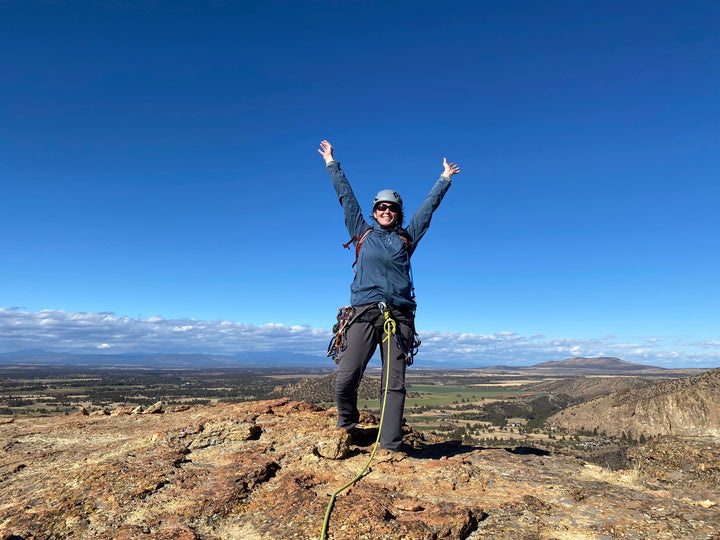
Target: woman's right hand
x: 326, y: 150
x: 449, y: 169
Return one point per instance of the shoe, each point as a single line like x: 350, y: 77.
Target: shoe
x: 385, y: 455
x: 362, y: 436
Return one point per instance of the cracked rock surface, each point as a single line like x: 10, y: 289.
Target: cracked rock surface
x: 266, y: 470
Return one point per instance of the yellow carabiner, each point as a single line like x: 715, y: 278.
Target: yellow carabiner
x: 389, y: 326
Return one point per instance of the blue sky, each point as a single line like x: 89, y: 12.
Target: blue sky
x: 161, y: 188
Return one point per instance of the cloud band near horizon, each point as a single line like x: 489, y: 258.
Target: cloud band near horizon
x: 79, y: 332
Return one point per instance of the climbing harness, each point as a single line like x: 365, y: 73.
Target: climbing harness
x: 347, y: 315
x: 389, y: 329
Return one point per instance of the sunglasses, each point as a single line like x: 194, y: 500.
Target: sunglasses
x: 392, y: 207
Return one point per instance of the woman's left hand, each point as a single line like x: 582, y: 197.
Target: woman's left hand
x: 450, y: 169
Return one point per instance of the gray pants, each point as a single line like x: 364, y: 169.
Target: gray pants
x: 362, y: 338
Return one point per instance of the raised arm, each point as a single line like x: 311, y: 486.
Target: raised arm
x: 354, y: 221
x: 420, y: 221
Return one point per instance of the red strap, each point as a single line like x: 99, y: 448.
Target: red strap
x: 360, y: 239
x: 406, y: 241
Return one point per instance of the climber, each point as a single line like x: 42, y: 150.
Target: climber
x: 383, y: 278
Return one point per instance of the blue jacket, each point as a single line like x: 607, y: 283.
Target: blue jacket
x: 383, y: 267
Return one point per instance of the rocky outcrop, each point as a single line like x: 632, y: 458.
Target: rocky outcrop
x: 266, y: 470
x: 586, y: 388
x: 682, y: 407
x: 678, y: 461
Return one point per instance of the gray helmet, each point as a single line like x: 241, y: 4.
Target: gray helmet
x: 388, y: 195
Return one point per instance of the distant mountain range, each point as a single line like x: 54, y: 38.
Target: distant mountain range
x: 165, y: 361
x: 573, y: 366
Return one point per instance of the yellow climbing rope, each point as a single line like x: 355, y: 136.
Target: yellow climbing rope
x: 389, y: 329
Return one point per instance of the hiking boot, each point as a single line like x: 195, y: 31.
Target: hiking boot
x: 384, y: 455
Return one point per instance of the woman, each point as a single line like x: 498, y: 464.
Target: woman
x: 382, y: 279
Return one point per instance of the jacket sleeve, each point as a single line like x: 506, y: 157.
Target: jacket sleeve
x: 354, y: 221
x: 420, y: 222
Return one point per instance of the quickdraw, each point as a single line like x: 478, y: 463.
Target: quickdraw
x: 412, y: 350
x: 337, y: 342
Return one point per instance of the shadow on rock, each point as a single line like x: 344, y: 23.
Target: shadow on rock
x: 442, y: 449
x: 363, y: 436
x: 527, y: 451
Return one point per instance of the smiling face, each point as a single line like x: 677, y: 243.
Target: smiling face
x: 386, y: 214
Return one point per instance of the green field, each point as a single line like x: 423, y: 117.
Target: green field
x: 437, y: 396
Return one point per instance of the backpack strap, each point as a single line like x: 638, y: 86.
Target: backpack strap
x: 359, y: 240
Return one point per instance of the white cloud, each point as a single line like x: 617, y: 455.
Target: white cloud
x: 63, y: 331
x: 78, y: 332
x: 511, y: 349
